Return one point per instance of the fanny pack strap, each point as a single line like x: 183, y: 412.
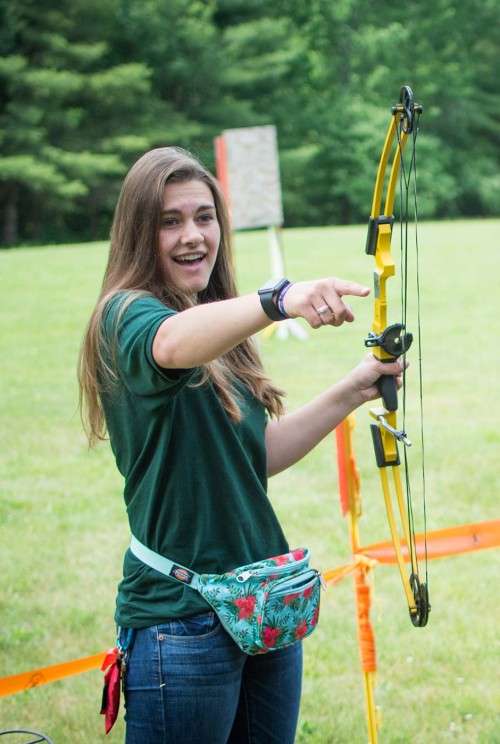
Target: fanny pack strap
x: 164, y: 565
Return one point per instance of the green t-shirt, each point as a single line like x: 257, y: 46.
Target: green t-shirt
x: 195, y: 481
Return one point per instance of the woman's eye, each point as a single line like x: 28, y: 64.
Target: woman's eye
x: 207, y: 217
x: 169, y: 221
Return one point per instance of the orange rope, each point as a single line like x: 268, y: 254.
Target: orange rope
x: 365, y: 630
x: 36, y: 677
x: 464, y: 538
x: 334, y: 575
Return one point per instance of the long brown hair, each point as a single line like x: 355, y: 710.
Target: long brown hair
x: 134, y: 266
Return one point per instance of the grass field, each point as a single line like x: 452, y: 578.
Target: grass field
x: 63, y: 526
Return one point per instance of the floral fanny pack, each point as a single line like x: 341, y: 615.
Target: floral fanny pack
x: 264, y: 606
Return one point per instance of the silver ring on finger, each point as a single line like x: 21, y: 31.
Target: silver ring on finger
x: 323, y: 310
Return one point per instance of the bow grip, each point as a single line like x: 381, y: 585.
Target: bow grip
x: 394, y: 340
x: 388, y: 390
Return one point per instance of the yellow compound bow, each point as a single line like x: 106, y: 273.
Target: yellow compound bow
x: 388, y: 342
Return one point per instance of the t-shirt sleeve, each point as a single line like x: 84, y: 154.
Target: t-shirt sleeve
x: 137, y: 327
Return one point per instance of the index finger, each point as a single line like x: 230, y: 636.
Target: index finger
x: 344, y: 287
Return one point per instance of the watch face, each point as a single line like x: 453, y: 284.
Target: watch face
x: 268, y: 286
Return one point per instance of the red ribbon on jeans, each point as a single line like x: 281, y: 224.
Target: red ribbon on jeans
x: 111, y: 690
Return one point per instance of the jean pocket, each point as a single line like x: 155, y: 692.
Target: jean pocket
x: 194, y: 626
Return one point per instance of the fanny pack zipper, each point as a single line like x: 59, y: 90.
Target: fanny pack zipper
x: 272, y: 570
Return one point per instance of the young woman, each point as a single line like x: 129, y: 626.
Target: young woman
x: 169, y: 370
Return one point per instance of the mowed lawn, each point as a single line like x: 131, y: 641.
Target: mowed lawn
x: 63, y: 526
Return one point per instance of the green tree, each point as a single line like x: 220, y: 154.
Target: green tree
x: 65, y: 122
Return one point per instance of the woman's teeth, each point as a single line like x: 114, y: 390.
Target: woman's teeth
x: 189, y: 259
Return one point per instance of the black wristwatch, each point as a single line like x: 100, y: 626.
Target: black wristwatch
x: 269, y: 294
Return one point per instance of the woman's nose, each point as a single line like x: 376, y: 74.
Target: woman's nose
x: 191, y: 234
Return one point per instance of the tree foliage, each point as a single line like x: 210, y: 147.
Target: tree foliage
x: 86, y: 87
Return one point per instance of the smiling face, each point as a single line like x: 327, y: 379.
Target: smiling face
x: 189, y: 235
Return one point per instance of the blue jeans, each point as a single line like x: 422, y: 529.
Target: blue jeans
x: 188, y: 682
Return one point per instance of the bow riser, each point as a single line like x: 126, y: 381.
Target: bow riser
x: 384, y: 269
